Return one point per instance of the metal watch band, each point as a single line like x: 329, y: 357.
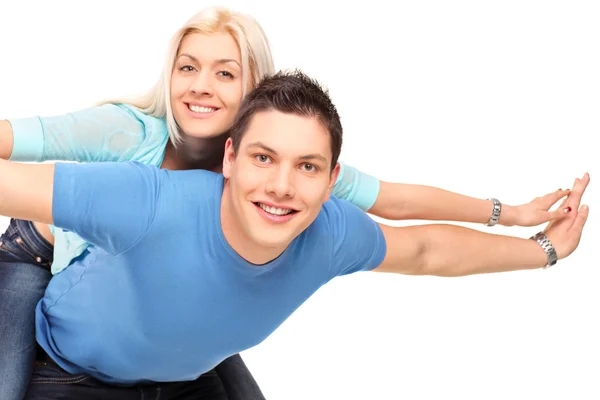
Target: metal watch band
x: 543, y: 241
x: 495, y: 212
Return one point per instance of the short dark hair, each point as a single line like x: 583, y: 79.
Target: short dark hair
x: 295, y: 93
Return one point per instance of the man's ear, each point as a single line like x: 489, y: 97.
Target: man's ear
x: 332, y: 179
x: 228, y: 158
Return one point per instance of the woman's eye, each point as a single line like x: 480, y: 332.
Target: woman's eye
x: 226, y: 74
x: 186, y: 68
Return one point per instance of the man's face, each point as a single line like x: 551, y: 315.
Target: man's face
x: 279, y: 178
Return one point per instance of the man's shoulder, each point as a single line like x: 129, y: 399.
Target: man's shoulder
x: 340, y: 216
x: 198, y: 175
x: 194, y: 177
x: 335, y: 215
x: 194, y: 184
x: 352, y: 238
x: 336, y: 208
x: 135, y: 173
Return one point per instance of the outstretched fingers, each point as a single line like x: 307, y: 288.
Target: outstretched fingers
x: 579, y: 187
x: 580, y: 220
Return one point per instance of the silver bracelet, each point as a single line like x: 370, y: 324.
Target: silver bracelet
x: 543, y: 241
x: 496, y: 210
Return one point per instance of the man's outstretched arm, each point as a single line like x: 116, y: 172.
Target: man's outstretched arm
x: 448, y: 250
x: 26, y: 191
x: 108, y: 204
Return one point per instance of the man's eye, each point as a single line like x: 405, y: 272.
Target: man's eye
x: 309, y: 168
x: 262, y: 158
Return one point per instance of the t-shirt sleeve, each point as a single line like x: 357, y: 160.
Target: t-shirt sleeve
x: 111, y: 205
x: 357, y: 187
x: 111, y: 132
x: 359, y: 244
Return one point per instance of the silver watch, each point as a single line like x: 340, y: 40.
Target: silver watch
x: 547, y: 246
x: 495, y: 212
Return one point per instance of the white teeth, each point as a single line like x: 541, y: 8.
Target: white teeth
x: 275, y: 210
x: 200, y: 109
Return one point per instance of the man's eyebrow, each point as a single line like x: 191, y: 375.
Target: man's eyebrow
x: 219, y: 61
x: 262, y: 146
x: 314, y: 157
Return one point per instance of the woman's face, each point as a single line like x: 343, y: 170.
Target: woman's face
x: 206, y: 84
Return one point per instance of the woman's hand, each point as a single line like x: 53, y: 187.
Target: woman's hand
x: 536, y: 212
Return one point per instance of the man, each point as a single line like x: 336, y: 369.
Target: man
x: 189, y: 267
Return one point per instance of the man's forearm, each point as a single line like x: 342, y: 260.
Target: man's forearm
x: 398, y: 201
x: 26, y: 191
x: 455, y: 251
x: 450, y: 250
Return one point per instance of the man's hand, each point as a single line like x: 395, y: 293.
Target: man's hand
x: 565, y: 233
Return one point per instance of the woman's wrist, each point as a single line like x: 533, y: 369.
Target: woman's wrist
x: 508, y: 215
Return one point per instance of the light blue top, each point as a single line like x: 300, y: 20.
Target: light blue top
x: 124, y: 133
x: 160, y: 295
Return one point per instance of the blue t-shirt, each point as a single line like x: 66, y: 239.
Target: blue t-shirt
x: 159, y: 295
x: 121, y: 132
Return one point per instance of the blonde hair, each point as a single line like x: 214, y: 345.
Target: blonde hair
x: 257, y: 61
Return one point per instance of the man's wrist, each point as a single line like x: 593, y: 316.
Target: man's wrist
x: 549, y: 251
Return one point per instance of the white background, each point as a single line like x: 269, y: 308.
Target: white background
x: 483, y: 98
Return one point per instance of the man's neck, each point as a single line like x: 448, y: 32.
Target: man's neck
x: 238, y: 239
x: 196, y: 153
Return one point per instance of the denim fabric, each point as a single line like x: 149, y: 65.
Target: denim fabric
x: 25, y: 259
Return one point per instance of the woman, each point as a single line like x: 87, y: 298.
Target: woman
x: 181, y: 123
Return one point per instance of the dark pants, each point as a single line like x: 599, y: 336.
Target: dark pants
x: 49, y: 381
x: 25, y: 259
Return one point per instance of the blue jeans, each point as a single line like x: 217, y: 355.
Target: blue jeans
x: 25, y: 260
